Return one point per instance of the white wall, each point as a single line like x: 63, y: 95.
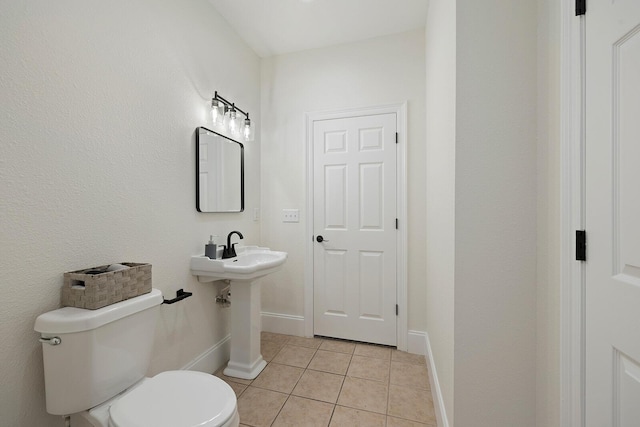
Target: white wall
x: 441, y: 168
x: 495, y: 196
x: 548, y: 273
x: 486, y: 163
x: 100, y: 101
x: 374, y: 72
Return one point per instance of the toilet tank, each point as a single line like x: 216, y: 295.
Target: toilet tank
x: 102, y: 352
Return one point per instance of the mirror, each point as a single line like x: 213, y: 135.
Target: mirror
x: 219, y: 172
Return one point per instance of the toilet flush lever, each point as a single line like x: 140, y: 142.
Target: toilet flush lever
x: 50, y: 340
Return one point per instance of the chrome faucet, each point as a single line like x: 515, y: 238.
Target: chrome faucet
x: 229, y: 251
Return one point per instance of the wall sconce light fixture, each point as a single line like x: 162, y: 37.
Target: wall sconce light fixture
x: 225, y: 116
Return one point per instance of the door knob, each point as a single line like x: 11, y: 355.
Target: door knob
x: 320, y: 239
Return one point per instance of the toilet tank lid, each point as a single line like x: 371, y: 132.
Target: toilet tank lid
x: 72, y: 319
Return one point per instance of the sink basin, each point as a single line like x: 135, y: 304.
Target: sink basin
x: 251, y: 263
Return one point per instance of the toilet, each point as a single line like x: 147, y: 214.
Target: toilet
x: 95, y: 363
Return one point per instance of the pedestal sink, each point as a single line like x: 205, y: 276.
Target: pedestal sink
x: 244, y: 272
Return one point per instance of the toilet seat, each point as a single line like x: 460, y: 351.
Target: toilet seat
x: 176, y: 399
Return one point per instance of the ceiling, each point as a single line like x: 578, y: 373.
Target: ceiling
x: 274, y: 27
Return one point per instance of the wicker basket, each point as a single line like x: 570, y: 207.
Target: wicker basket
x: 89, y: 288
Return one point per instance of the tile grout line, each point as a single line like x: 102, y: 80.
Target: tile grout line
x: 276, y: 417
x: 303, y: 372
x: 344, y: 379
x: 386, y: 410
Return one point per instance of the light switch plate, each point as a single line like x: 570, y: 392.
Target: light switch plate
x: 290, y: 215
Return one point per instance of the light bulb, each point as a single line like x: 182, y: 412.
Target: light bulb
x: 233, y: 124
x: 227, y: 120
x: 217, y: 112
x: 247, y: 130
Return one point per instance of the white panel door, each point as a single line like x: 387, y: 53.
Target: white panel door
x: 613, y: 213
x: 354, y: 272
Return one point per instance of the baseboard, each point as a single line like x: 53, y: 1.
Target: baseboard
x: 294, y: 325
x: 438, y: 402
x: 283, y: 324
x: 213, y: 358
x: 416, y: 342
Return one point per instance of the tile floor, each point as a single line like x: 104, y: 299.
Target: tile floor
x: 325, y: 382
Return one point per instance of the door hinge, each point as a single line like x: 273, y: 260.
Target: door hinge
x: 396, y: 309
x: 581, y: 7
x: 396, y: 223
x: 396, y: 137
x: 581, y: 245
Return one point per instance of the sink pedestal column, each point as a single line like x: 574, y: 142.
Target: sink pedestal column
x: 246, y: 361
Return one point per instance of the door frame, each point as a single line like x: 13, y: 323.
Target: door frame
x: 401, y: 202
x: 572, y: 215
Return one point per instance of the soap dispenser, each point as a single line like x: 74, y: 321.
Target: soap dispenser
x: 210, y: 249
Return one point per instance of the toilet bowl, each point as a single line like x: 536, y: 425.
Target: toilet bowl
x: 95, y: 363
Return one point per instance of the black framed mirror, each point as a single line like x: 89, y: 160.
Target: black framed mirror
x: 219, y: 172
